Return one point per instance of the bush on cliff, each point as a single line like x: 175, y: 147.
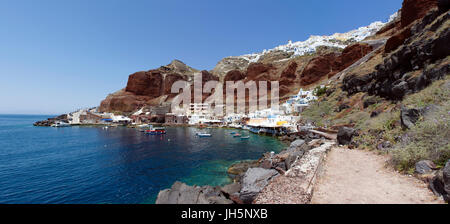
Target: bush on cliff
x: 428, y: 140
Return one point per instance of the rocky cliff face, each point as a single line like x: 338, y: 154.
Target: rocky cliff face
x: 420, y: 60
x: 148, y: 88
x: 326, y: 66
x: 295, y: 65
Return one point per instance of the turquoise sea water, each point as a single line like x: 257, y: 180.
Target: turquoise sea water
x: 90, y: 165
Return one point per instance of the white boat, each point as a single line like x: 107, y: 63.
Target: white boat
x: 202, y: 135
x: 60, y: 124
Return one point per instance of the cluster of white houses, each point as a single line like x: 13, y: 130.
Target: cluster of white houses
x: 272, y: 121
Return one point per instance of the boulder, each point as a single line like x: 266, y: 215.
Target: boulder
x: 425, y: 167
x: 409, y: 117
x: 180, y: 193
x: 231, y: 189
x: 370, y: 101
x: 298, y: 143
x: 437, y: 185
x: 446, y: 177
x: 384, y: 146
x: 254, y: 181
x: 345, y: 135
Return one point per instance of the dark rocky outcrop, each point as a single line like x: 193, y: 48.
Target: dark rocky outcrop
x: 180, y: 193
x: 50, y: 121
x: 345, y: 135
x: 413, y: 66
x: 446, y: 179
x: 255, y: 179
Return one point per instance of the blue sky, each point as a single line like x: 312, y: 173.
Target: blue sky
x: 61, y: 55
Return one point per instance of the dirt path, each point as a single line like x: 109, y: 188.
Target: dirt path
x: 361, y: 177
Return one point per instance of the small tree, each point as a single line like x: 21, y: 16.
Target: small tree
x: 320, y: 90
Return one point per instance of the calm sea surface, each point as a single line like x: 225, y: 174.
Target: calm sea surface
x: 90, y: 165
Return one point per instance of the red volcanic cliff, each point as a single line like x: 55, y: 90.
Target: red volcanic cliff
x: 412, y: 10
x: 153, y: 87
x: 415, y: 9
x: 330, y: 64
x: 144, y: 87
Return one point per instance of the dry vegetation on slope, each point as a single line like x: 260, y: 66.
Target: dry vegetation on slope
x: 367, y: 100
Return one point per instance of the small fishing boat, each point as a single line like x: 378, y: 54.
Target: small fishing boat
x: 60, y: 124
x: 156, y: 131
x: 232, y: 133
x: 237, y: 135
x: 203, y: 135
x: 245, y: 138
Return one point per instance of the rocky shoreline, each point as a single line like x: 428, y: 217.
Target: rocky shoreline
x: 50, y: 121
x: 288, y: 177
x: 251, y: 178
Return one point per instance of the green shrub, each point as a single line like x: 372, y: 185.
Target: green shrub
x: 320, y: 91
x: 429, y: 139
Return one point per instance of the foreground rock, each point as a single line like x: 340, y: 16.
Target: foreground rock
x: 446, y: 177
x: 180, y: 193
x: 409, y: 117
x: 255, y: 179
x: 345, y: 135
x: 440, y: 183
x: 425, y: 167
x: 296, y: 186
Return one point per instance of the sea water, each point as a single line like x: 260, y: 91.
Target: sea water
x: 92, y: 165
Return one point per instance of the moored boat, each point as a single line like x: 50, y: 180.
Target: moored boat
x: 203, y: 135
x: 156, y: 131
x: 60, y: 124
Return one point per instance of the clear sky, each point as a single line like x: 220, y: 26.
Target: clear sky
x: 61, y: 55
